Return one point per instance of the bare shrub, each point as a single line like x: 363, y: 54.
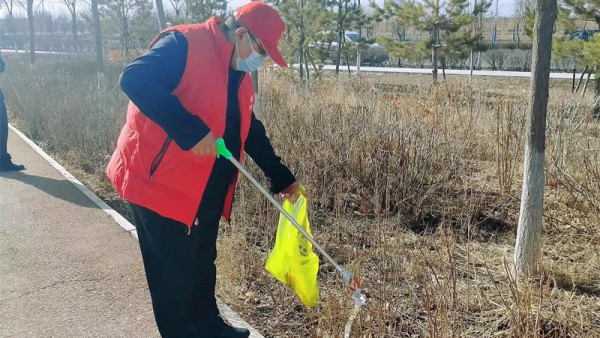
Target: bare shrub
x: 518, y: 60
x: 495, y: 58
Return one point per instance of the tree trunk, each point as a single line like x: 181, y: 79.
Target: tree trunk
x: 434, y: 54
x: 479, y: 27
x: 443, y: 61
x: 31, y: 32
x: 518, y: 35
x: 338, y: 57
x: 581, y: 79
x: 587, y: 81
x: 471, y: 59
x: 125, y: 36
x: 306, y: 66
x: 596, y: 108
x: 358, y: 51
x: 301, y: 51
x: 162, y: 19
x: 527, y: 249
x: 301, y: 41
x: 98, y: 38
x: 11, y: 29
x: 358, y: 56
x: 301, y: 60
x: 471, y: 63
x: 312, y: 62
x: 74, y: 26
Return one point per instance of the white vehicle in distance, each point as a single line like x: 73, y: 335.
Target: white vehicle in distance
x: 374, y: 55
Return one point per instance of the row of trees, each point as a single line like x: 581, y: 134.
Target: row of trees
x: 316, y: 28
x: 132, y: 21
x: 455, y: 31
x: 454, y: 27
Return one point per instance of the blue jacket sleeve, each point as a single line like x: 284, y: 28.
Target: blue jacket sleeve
x: 149, y: 82
x: 258, y: 146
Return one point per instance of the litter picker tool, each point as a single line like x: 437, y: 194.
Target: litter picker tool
x: 359, y: 296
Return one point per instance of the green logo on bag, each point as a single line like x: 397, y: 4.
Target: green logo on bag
x: 303, y: 250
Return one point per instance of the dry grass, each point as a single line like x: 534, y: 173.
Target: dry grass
x: 415, y: 188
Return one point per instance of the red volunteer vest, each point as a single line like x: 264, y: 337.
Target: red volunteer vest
x: 178, y: 183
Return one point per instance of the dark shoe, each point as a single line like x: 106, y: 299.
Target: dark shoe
x: 228, y: 331
x: 9, y: 166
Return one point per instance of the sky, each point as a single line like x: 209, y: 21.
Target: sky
x: 505, y: 7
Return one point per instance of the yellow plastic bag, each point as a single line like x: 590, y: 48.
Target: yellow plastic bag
x: 292, y: 260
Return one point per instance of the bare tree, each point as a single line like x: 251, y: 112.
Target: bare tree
x: 342, y: 7
x: 72, y: 8
x: 9, y: 4
x: 177, y: 6
x: 477, y: 26
x: 30, y: 16
x: 120, y: 14
x: 522, y: 7
x: 28, y: 5
x: 527, y: 249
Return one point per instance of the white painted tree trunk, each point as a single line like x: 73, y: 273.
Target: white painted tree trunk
x: 529, y: 232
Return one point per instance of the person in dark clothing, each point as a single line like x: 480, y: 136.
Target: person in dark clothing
x: 6, y: 163
x: 194, y: 84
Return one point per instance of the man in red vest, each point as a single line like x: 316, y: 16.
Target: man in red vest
x: 191, y: 87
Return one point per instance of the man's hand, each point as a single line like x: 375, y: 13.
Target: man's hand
x: 291, y: 193
x: 206, y: 147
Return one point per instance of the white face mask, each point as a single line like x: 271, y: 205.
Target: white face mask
x: 252, y: 62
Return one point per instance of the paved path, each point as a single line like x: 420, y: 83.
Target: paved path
x: 67, y: 269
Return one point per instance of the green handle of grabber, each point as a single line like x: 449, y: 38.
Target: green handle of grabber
x: 222, y: 149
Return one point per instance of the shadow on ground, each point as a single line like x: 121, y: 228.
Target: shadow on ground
x: 61, y: 189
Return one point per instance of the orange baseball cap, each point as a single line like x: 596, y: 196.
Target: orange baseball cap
x: 265, y: 23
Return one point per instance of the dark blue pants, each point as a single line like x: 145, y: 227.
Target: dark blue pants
x: 3, y: 130
x: 180, y: 266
